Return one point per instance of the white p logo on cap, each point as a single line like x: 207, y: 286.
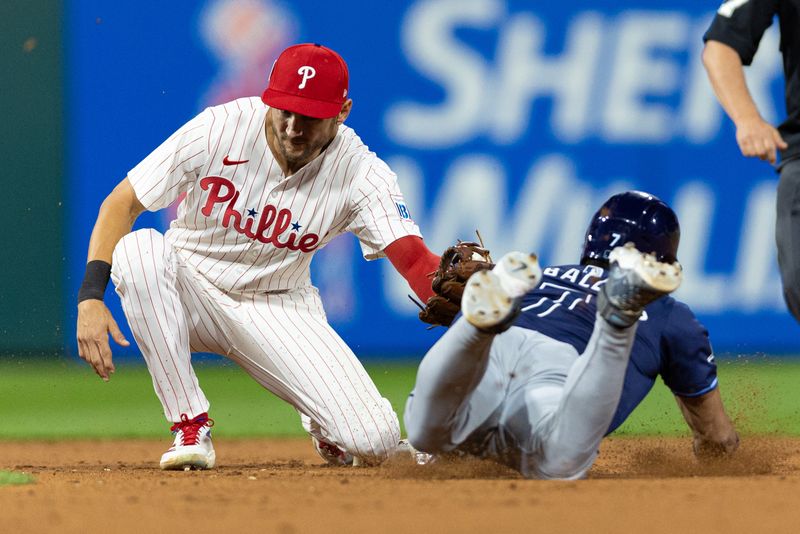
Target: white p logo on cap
x: 307, y: 72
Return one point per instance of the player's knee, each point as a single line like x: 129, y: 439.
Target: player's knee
x: 376, y: 439
x: 376, y: 445
x: 565, y: 467
x: 138, y: 253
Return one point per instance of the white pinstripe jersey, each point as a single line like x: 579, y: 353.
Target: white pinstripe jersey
x: 247, y: 227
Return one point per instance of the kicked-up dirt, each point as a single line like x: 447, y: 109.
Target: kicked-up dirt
x: 651, y: 485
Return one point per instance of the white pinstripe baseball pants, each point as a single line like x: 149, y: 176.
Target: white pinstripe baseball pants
x: 282, y: 340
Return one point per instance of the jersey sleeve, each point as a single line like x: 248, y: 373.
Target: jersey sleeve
x: 688, y: 367
x: 379, y: 215
x: 740, y: 24
x: 171, y: 168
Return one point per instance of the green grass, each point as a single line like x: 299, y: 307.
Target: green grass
x: 62, y: 399
x: 14, y: 478
x: 761, y: 395
x: 56, y: 400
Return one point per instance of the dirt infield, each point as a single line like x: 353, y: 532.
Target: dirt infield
x: 637, y: 485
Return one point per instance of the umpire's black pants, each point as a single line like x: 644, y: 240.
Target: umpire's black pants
x: 787, y: 233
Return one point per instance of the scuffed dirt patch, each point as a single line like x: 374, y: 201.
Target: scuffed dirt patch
x: 649, y: 485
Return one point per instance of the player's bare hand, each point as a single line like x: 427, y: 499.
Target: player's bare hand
x: 95, y: 323
x: 705, y: 448
x: 759, y: 139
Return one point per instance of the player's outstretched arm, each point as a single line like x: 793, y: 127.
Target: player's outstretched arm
x: 438, y: 282
x: 412, y: 259
x: 117, y: 215
x: 755, y: 136
x: 714, y: 434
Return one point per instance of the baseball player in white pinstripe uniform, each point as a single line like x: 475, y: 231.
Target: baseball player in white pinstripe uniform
x: 267, y: 182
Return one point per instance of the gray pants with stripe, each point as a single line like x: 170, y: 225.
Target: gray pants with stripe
x: 520, y: 397
x: 787, y: 233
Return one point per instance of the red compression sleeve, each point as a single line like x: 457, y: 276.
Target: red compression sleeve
x: 414, y: 262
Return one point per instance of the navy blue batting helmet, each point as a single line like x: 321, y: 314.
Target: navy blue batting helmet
x: 632, y: 216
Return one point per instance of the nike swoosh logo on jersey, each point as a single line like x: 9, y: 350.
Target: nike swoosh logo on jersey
x: 226, y: 161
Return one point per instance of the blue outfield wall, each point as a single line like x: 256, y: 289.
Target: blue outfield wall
x: 513, y: 117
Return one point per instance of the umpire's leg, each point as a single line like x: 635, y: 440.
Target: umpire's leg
x: 787, y: 233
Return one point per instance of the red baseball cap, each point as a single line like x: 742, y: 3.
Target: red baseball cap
x: 308, y: 79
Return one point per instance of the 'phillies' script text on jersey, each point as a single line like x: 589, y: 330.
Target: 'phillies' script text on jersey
x: 247, y: 227
x: 269, y: 215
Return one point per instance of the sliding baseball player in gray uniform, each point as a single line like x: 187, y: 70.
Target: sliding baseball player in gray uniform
x: 536, y: 370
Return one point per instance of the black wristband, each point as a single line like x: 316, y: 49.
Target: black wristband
x: 95, y: 280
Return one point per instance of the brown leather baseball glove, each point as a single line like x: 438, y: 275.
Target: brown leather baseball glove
x: 456, y: 266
